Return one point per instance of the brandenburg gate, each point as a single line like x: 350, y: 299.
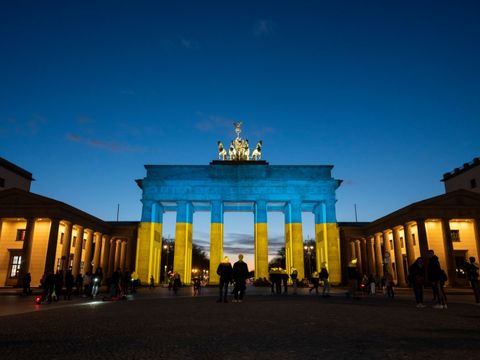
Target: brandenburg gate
x: 238, y: 182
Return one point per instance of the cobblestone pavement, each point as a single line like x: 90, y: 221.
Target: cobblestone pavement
x: 157, y: 325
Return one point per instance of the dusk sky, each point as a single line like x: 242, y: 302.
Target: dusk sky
x: 386, y: 91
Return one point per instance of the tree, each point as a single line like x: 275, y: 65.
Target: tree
x: 279, y: 259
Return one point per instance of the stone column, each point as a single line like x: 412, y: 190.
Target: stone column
x: 378, y: 254
x: 149, y: 240
x: 97, y: 251
x: 88, y: 252
x: 52, y: 246
x: 410, y: 249
x: 387, y: 248
x: 118, y: 250
x: 476, y: 229
x: 358, y: 252
x: 182, y: 262
x: 333, y: 243
x: 216, y: 240
x: 319, y: 212
x: 449, y: 256
x: 363, y: 247
x: 77, y: 256
x: 422, y: 238
x: 67, y: 239
x: 261, y: 240
x: 128, y: 260
x: 398, y: 258
x: 123, y: 253
x: 111, y: 257
x: 294, y: 236
x: 353, y: 250
x: 26, y: 250
x: 371, y: 256
x: 105, y: 254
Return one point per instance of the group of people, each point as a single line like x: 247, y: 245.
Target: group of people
x: 56, y: 285
x: 238, y: 274
x: 429, y: 271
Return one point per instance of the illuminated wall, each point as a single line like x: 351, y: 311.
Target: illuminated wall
x: 467, y: 236
x: 436, y: 240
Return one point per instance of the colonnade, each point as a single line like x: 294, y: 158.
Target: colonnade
x: 93, y: 249
x: 51, y: 244
x: 393, y: 249
x: 149, y: 245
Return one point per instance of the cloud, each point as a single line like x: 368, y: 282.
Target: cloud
x: 102, y: 145
x: 263, y: 28
x: 212, y: 123
x: 32, y: 126
x: 189, y: 44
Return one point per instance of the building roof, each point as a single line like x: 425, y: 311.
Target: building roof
x: 457, y: 171
x: 17, y: 203
x: 455, y: 204
x: 16, y: 169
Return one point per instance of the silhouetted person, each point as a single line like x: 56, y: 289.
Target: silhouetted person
x: 240, y: 275
x: 472, y: 276
x: 224, y: 270
x: 434, y: 272
x: 324, y: 278
x: 69, y: 282
x: 294, y: 277
x: 58, y: 285
x: 416, y: 278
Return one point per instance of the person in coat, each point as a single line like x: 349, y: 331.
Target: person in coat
x: 224, y: 270
x: 240, y: 275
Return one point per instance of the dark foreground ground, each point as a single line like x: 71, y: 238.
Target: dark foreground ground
x: 262, y: 327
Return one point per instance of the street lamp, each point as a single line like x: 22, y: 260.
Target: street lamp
x: 167, y: 247
x: 309, y: 250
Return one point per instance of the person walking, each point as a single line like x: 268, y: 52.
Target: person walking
x: 69, y: 282
x: 315, y: 282
x: 240, y: 275
x: 353, y: 275
x: 416, y: 278
x: 324, y: 278
x: 97, y: 281
x: 294, y: 277
x: 389, y: 285
x: 472, y: 276
x: 224, y: 270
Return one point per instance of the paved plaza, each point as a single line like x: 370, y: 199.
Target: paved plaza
x: 158, y: 325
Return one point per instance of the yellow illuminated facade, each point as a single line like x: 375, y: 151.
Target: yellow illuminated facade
x: 447, y: 224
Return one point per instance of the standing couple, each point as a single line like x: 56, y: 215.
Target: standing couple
x: 238, y: 274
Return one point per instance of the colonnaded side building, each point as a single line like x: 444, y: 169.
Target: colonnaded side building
x: 40, y: 235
